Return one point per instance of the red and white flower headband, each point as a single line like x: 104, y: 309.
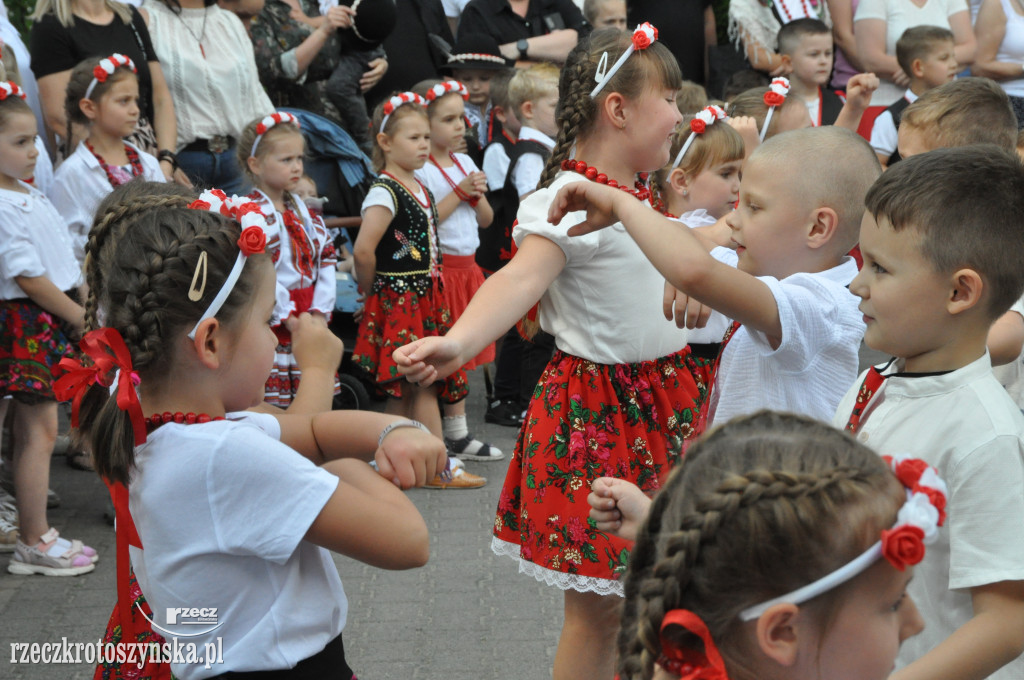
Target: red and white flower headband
x: 400, y: 100
x: 447, y: 87
x: 253, y: 240
x: 106, y: 68
x: 773, y: 98
x: 917, y: 525
x: 705, y: 117
x: 643, y: 36
x: 274, y: 119
x: 9, y: 88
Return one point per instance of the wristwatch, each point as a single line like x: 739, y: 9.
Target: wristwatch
x: 522, y: 45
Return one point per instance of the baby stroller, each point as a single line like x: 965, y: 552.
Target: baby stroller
x: 343, y: 174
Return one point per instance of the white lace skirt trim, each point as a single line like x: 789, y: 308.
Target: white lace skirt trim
x: 558, y: 579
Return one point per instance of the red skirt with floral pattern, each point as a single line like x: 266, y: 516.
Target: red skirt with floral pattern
x: 31, y: 345
x: 391, y: 320
x: 586, y: 421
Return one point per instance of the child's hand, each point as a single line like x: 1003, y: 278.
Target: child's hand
x: 747, y: 127
x: 337, y: 17
x: 479, y: 183
x: 860, y: 88
x: 313, y: 343
x: 598, y: 200
x: 618, y: 507
x: 410, y: 457
x: 468, y: 185
x: 428, y: 359
x: 687, y: 311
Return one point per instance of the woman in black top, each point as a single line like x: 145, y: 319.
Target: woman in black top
x: 67, y: 31
x: 526, y: 30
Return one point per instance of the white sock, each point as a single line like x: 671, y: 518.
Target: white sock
x: 455, y: 427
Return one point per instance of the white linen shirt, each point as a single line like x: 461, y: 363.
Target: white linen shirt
x: 530, y: 166
x: 35, y: 242
x: 459, y: 234
x: 884, y: 134
x: 714, y: 330
x: 965, y: 425
x: 815, y: 363
x: 496, y: 162
x: 605, y: 305
x: 221, y: 510
x: 81, y: 183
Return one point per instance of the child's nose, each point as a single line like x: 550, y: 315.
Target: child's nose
x: 912, y: 623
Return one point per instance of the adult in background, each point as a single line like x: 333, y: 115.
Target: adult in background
x: 66, y: 32
x: 688, y: 28
x: 526, y: 30
x: 413, y: 48
x: 1000, y: 32
x: 212, y: 76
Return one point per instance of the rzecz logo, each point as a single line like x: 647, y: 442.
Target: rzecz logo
x: 193, y: 616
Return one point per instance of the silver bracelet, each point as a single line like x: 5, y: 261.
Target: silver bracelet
x: 397, y: 424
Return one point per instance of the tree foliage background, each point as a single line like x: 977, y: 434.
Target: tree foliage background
x: 18, y: 11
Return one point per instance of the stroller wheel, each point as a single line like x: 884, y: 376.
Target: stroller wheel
x: 353, y: 395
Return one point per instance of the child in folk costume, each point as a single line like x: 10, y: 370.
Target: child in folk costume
x: 102, y: 95
x: 398, y: 269
x: 271, y: 150
x: 617, y: 395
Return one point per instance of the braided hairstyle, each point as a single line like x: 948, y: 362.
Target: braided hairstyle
x: 760, y: 507
x: 140, y: 260
x: 576, y: 114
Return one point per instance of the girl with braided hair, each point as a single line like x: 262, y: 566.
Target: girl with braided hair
x: 617, y: 397
x: 761, y: 556
x: 38, y: 313
x: 235, y: 511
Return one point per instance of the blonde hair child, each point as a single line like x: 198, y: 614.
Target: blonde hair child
x: 617, y: 394
x: 103, y: 97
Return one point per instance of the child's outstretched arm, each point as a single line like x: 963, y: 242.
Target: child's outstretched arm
x: 317, y: 353
x: 503, y: 299
x: 51, y: 298
x: 676, y: 252
x: 618, y: 507
x: 992, y: 638
x: 368, y: 519
x: 858, y: 97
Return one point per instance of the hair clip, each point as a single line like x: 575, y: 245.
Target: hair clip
x: 705, y: 117
x: 399, y: 100
x: 252, y: 240
x: 447, y: 87
x: 917, y: 525
x: 10, y: 88
x: 774, y: 97
x: 643, y: 36
x: 274, y: 119
x: 106, y: 68
x: 689, y: 664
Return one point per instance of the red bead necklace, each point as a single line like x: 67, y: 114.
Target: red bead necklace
x: 133, y: 161
x: 642, y: 192
x: 426, y: 194
x: 463, y: 196
x: 158, y: 419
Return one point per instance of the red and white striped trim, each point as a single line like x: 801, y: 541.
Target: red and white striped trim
x: 9, y: 88
x: 447, y: 87
x: 399, y: 100
x: 106, y: 68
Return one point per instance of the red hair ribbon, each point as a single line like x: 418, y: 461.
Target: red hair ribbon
x: 689, y: 664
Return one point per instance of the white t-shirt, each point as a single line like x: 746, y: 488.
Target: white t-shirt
x: 899, y: 15
x: 453, y: 8
x: 1011, y: 375
x: 81, y: 183
x: 530, y: 166
x: 496, y: 163
x: 1012, y: 48
x: 459, y: 234
x: 815, y: 363
x: 718, y: 323
x: 964, y: 424
x: 605, y: 305
x: 35, y: 243
x: 221, y: 510
x: 884, y: 134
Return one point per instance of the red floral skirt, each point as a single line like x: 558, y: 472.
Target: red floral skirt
x: 31, y: 345
x: 391, y: 320
x: 586, y: 421
x: 144, y: 634
x: 462, y: 278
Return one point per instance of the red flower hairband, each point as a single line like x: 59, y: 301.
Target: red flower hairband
x: 774, y: 97
x: 643, y: 36
x: 400, y: 100
x: 447, y: 87
x: 112, y: 368
x: 9, y: 88
x: 106, y: 68
x: 274, y: 119
x: 690, y: 664
x: 707, y: 116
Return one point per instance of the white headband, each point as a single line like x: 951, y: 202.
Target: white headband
x: 917, y: 525
x: 270, y: 121
x: 774, y: 97
x: 707, y: 116
x: 447, y: 87
x: 105, y: 69
x: 399, y: 100
x: 252, y: 240
x: 643, y: 36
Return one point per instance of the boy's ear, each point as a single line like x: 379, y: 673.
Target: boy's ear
x: 917, y: 68
x: 823, y: 227
x: 526, y: 111
x: 778, y: 634
x: 787, y: 61
x: 88, y: 107
x: 499, y: 113
x: 967, y: 291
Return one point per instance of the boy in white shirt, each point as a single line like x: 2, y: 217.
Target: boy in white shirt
x: 941, y: 241
x: 806, y: 48
x: 796, y: 348
x: 533, y: 96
